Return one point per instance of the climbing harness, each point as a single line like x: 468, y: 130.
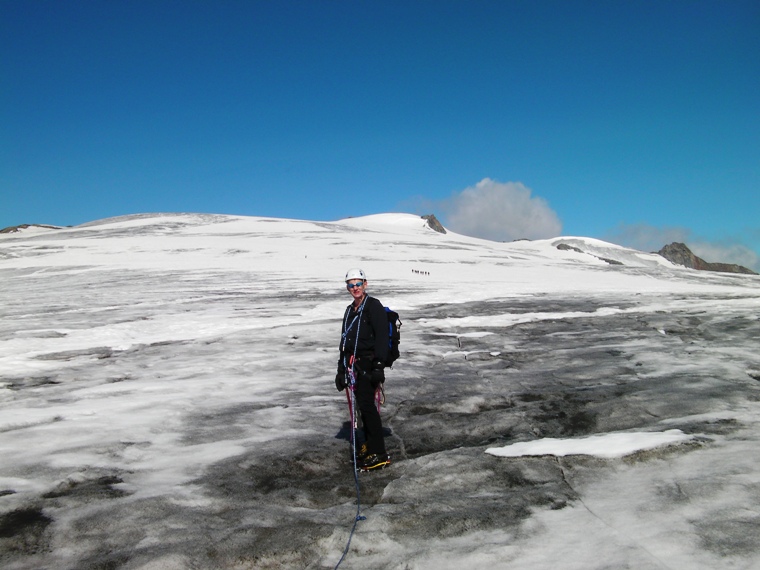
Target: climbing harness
x: 380, y: 390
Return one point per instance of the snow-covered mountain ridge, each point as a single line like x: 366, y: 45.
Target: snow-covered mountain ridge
x: 394, y: 244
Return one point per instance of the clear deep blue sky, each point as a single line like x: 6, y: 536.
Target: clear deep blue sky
x: 622, y: 116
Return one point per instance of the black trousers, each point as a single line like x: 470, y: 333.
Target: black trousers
x: 365, y: 402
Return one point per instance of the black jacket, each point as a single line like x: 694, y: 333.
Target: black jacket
x: 371, y: 323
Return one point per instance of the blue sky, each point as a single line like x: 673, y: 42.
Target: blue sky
x: 632, y: 121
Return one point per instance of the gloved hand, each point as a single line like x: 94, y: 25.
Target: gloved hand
x: 378, y: 375
x: 340, y: 377
x: 340, y: 381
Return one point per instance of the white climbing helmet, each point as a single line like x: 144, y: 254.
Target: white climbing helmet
x: 355, y: 273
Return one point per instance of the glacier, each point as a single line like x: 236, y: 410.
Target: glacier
x: 167, y: 401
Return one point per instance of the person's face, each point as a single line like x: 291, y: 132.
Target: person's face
x: 356, y: 287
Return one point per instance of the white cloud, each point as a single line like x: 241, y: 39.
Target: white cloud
x: 500, y: 211
x: 727, y: 253
x: 650, y: 238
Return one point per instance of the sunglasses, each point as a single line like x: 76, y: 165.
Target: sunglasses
x: 352, y: 285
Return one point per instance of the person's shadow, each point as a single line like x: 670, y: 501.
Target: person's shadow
x: 345, y: 432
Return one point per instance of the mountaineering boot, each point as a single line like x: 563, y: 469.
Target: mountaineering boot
x: 375, y: 461
x: 361, y: 454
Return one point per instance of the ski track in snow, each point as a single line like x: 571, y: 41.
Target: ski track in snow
x: 167, y: 401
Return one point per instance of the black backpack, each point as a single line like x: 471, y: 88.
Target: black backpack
x: 394, y: 336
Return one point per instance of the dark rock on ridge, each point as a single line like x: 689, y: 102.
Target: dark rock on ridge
x: 434, y: 224
x: 567, y: 247
x: 679, y: 254
x: 14, y: 229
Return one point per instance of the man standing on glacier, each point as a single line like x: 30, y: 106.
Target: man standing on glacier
x: 363, y: 352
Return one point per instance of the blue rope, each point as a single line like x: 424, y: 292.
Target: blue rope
x: 359, y: 516
x: 347, y: 327
x: 352, y: 381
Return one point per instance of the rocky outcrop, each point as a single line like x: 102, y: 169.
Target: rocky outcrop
x: 434, y: 224
x: 14, y: 229
x: 568, y: 247
x: 679, y: 254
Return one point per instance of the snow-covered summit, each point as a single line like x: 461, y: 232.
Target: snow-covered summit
x: 403, y: 224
